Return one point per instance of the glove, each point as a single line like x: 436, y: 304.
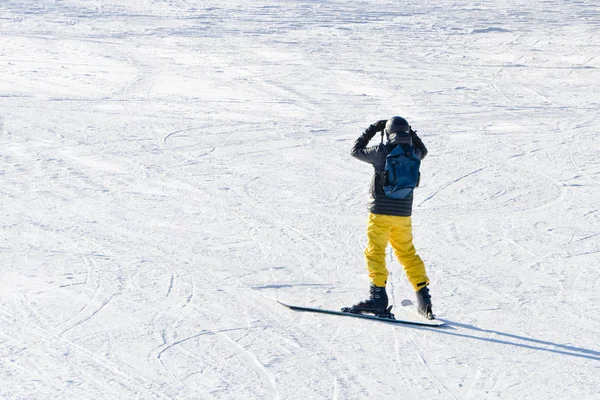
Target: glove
x: 375, y: 127
x: 380, y: 125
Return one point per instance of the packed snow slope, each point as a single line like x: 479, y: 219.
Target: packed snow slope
x: 171, y: 168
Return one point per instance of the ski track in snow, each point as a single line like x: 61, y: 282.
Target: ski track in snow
x: 171, y: 169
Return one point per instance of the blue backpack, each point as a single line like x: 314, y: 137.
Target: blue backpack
x: 401, y: 174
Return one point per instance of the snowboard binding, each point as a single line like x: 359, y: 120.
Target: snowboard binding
x: 386, y: 314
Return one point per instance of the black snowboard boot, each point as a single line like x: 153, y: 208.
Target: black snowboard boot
x: 424, y: 303
x: 377, y: 303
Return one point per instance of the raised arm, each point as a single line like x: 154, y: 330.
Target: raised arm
x: 418, y: 143
x: 360, y: 150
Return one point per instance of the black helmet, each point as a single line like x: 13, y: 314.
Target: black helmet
x: 397, y: 130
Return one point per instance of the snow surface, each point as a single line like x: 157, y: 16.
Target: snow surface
x: 170, y: 168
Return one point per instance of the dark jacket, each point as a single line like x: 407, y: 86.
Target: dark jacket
x: 379, y: 203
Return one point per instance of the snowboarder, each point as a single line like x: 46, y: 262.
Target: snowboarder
x: 390, y: 220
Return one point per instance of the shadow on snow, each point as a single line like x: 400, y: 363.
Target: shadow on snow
x: 451, y: 328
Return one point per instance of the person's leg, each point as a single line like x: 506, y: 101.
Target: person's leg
x: 377, y: 234
x: 401, y: 240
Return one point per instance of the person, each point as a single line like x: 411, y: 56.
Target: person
x: 390, y: 221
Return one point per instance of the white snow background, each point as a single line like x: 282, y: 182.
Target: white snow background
x: 169, y: 169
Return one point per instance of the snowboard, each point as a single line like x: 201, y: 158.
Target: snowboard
x: 411, y: 318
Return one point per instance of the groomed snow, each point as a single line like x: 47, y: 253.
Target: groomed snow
x: 171, y: 168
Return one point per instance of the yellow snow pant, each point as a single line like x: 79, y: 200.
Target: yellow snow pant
x: 396, y: 230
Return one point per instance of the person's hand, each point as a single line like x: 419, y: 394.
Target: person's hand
x: 380, y: 125
x: 375, y: 127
